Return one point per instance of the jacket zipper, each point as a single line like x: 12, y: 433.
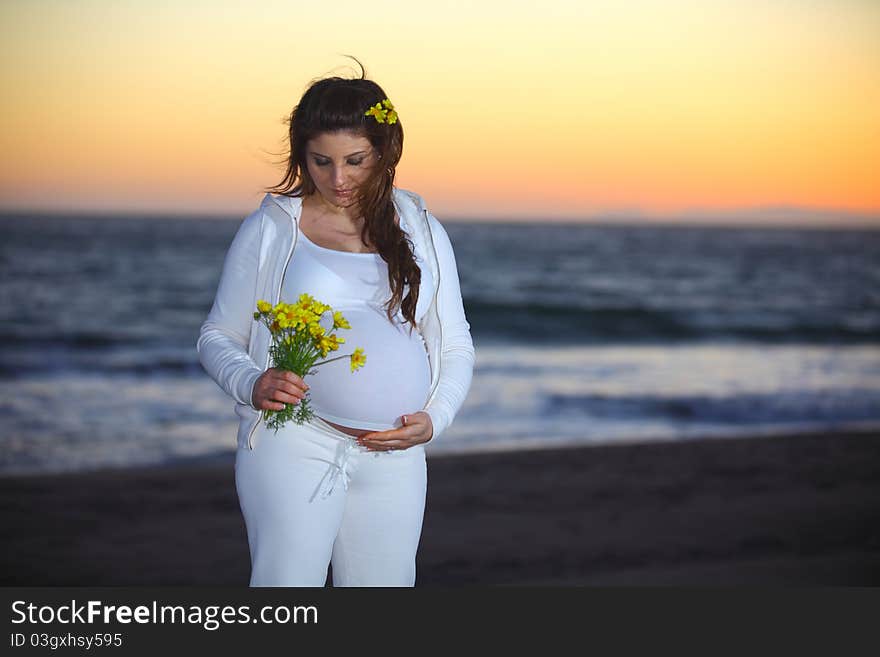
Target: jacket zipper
x: 277, y: 301
x: 436, y: 309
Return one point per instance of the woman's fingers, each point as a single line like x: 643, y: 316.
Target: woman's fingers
x: 291, y: 379
x: 288, y: 397
x: 394, y: 439
x: 291, y: 396
x: 279, y: 388
x: 417, y: 429
x: 291, y: 388
x: 270, y: 403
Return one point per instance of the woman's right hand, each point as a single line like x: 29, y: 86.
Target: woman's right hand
x: 277, y: 387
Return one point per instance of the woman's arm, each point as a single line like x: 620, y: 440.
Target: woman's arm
x: 224, y: 336
x: 457, y: 355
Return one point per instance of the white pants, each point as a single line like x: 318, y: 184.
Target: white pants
x: 311, y: 496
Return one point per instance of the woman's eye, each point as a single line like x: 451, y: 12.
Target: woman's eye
x: 323, y: 163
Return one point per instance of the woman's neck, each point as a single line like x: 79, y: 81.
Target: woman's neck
x: 349, y: 213
x: 345, y: 217
x: 341, y: 218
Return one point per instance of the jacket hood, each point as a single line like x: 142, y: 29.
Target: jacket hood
x: 403, y: 198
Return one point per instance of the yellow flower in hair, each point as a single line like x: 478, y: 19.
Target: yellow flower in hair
x: 377, y: 112
x: 383, y: 111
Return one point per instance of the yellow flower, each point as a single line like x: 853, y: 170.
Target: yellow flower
x: 334, y: 341
x: 316, y: 330
x: 383, y: 111
x: 389, y: 114
x: 264, y: 306
x: 339, y: 321
x: 376, y: 111
x: 319, y: 309
x: 358, y: 358
x: 294, y: 319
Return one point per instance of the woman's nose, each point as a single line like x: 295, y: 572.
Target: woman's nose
x: 338, y: 177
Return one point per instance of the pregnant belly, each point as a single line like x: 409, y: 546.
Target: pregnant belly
x: 394, y: 381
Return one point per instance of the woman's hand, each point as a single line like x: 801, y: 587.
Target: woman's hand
x: 277, y: 387
x: 417, y: 429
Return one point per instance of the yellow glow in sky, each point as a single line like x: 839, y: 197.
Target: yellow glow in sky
x: 510, y: 109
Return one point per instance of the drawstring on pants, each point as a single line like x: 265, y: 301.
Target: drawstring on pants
x: 336, y: 469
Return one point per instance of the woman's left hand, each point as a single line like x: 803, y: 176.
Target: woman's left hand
x: 417, y: 429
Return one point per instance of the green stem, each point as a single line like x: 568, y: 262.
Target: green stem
x: 331, y: 360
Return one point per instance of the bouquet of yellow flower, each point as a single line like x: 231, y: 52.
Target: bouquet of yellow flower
x: 297, y: 340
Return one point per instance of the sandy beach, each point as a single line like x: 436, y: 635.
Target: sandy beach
x: 788, y: 510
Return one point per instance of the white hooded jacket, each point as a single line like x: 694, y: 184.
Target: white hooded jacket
x: 234, y: 349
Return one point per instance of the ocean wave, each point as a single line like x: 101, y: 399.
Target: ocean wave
x: 554, y: 324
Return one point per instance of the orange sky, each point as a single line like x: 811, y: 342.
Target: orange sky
x: 686, y: 110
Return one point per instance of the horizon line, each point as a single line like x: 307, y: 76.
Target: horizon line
x: 782, y: 216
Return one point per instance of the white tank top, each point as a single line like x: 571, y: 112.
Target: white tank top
x: 396, y: 377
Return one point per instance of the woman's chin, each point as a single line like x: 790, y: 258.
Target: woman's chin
x: 341, y: 201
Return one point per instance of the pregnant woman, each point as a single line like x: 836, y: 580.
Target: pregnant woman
x: 346, y: 488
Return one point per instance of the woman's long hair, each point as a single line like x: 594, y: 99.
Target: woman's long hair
x: 338, y: 104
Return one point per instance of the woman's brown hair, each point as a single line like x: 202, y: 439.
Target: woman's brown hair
x: 339, y: 104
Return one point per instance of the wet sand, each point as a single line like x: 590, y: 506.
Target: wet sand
x: 789, y: 510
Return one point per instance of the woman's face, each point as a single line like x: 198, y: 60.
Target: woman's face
x: 338, y: 163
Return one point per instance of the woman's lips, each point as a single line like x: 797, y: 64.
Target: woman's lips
x: 342, y: 192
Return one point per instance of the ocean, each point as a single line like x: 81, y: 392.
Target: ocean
x: 584, y: 334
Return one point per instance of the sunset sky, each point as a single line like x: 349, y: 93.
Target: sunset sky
x: 689, y: 110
